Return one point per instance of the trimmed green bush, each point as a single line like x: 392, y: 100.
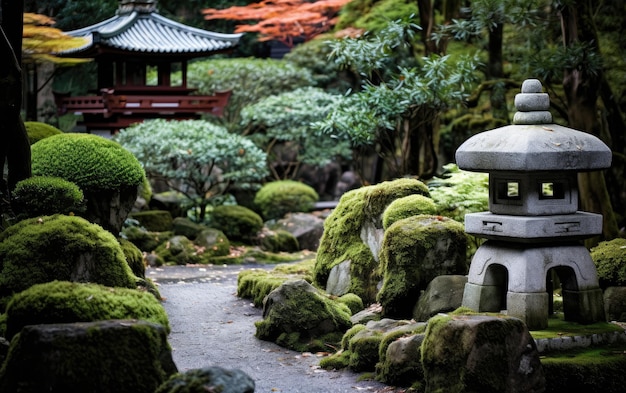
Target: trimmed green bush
x: 277, y: 198
x: 68, y: 302
x: 45, y: 195
x: 610, y: 260
x: 65, y: 248
x: 37, y: 131
x: 92, y: 162
x: 237, y: 222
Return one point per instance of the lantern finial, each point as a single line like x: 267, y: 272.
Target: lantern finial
x: 532, y: 105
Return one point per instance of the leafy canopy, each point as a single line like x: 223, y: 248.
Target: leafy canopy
x: 194, y: 157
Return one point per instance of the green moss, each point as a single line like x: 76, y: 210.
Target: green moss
x: 185, y: 227
x: 278, y: 240
x: 341, y: 239
x: 154, y: 220
x: 145, y: 240
x: 237, y: 222
x: 134, y: 258
x: 354, y: 303
x: 44, y: 195
x: 336, y: 361
x: 92, y: 162
x: 557, y: 327
x: 412, y: 205
x: 610, y: 260
x: 67, y: 302
x: 277, y: 198
x: 37, y: 131
x: 179, y: 250
x: 210, y: 380
x: 58, y: 247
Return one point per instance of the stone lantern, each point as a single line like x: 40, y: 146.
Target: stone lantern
x: 533, y: 229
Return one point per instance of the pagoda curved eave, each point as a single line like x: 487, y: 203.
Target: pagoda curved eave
x: 107, y: 51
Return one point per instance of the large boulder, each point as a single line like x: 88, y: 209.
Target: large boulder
x: 208, y: 379
x: 475, y: 353
x: 443, y: 294
x: 415, y: 251
x: 115, y: 356
x: 298, y: 316
x: 400, y: 364
x: 307, y: 228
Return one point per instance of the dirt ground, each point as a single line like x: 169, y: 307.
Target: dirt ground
x: 211, y: 326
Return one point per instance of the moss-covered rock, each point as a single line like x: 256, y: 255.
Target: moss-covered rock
x: 277, y: 198
x: 154, y: 220
x: 121, y: 356
x: 108, y: 174
x: 66, y: 248
x: 416, y: 250
x: 237, y: 222
x: 37, y: 131
x: 185, y: 227
x: 299, y: 316
x: 610, y: 260
x: 346, y: 229
x: 67, y: 302
x: 178, y: 250
x: 145, y: 240
x: 45, y: 195
x: 412, y: 205
x: 399, y: 364
x: 278, y: 240
x: 354, y: 303
x: 209, y: 379
x: 134, y: 257
x: 212, y: 242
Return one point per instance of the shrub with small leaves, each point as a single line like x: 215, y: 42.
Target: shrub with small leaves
x: 610, y: 260
x: 277, y: 198
x: 45, y: 195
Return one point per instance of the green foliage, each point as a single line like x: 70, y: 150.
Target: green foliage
x: 92, y: 162
x: 37, y: 131
x: 67, y: 302
x: 354, y: 303
x: 249, y: 79
x: 373, y: 16
x: 285, y: 119
x: 277, y: 198
x: 65, y: 248
x: 44, y: 195
x: 237, y: 222
x: 411, y: 205
x: 610, y: 260
x: 196, y: 158
x: 154, y: 220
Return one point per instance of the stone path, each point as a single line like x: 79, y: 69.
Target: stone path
x: 211, y: 326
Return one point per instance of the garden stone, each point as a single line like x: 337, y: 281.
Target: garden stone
x: 154, y: 220
x: 401, y: 364
x: 443, y: 294
x: 306, y: 227
x: 372, y: 313
x: 213, y: 242
x: 475, y: 353
x: 338, y: 283
x: 415, y: 251
x: 99, y: 357
x: 209, y: 379
x: 615, y: 304
x: 185, y: 227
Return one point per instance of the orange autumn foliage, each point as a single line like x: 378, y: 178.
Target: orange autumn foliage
x: 282, y: 20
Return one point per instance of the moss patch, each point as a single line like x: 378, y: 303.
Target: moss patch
x: 610, y: 260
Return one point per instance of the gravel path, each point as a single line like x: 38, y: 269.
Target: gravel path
x: 211, y: 326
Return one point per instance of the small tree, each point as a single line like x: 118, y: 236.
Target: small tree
x: 196, y: 158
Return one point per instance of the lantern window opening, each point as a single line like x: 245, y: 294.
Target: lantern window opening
x: 507, y: 191
x: 551, y: 190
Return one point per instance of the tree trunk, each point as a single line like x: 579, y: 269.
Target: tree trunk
x: 496, y: 72
x: 581, y: 90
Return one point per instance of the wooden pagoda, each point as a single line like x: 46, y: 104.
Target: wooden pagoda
x: 129, y: 47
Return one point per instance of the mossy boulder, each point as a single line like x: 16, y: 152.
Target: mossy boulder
x: 58, y: 247
x: 45, y: 195
x: 400, y: 363
x: 67, y: 302
x: 412, y: 205
x: 277, y: 198
x: 277, y: 241
x: 237, y: 222
x: 212, y: 242
x: 178, y: 250
x: 134, y: 257
x: 185, y: 227
x: 108, y: 174
x: 154, y: 220
x: 145, y: 240
x: 121, y: 356
x: 208, y: 379
x: 477, y: 353
x: 610, y: 260
x: 37, y: 131
x: 298, y: 316
x: 354, y: 231
x: 416, y: 250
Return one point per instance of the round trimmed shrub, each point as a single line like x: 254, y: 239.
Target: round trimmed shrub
x: 58, y: 247
x: 610, y: 260
x: 68, y: 302
x: 45, y: 195
x: 277, y: 198
x: 236, y: 221
x: 411, y: 205
x: 92, y: 162
x: 37, y: 131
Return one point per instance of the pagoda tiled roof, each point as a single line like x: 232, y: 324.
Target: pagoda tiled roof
x: 148, y: 32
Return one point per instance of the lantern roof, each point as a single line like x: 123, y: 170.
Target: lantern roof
x: 138, y: 28
x: 533, y: 142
